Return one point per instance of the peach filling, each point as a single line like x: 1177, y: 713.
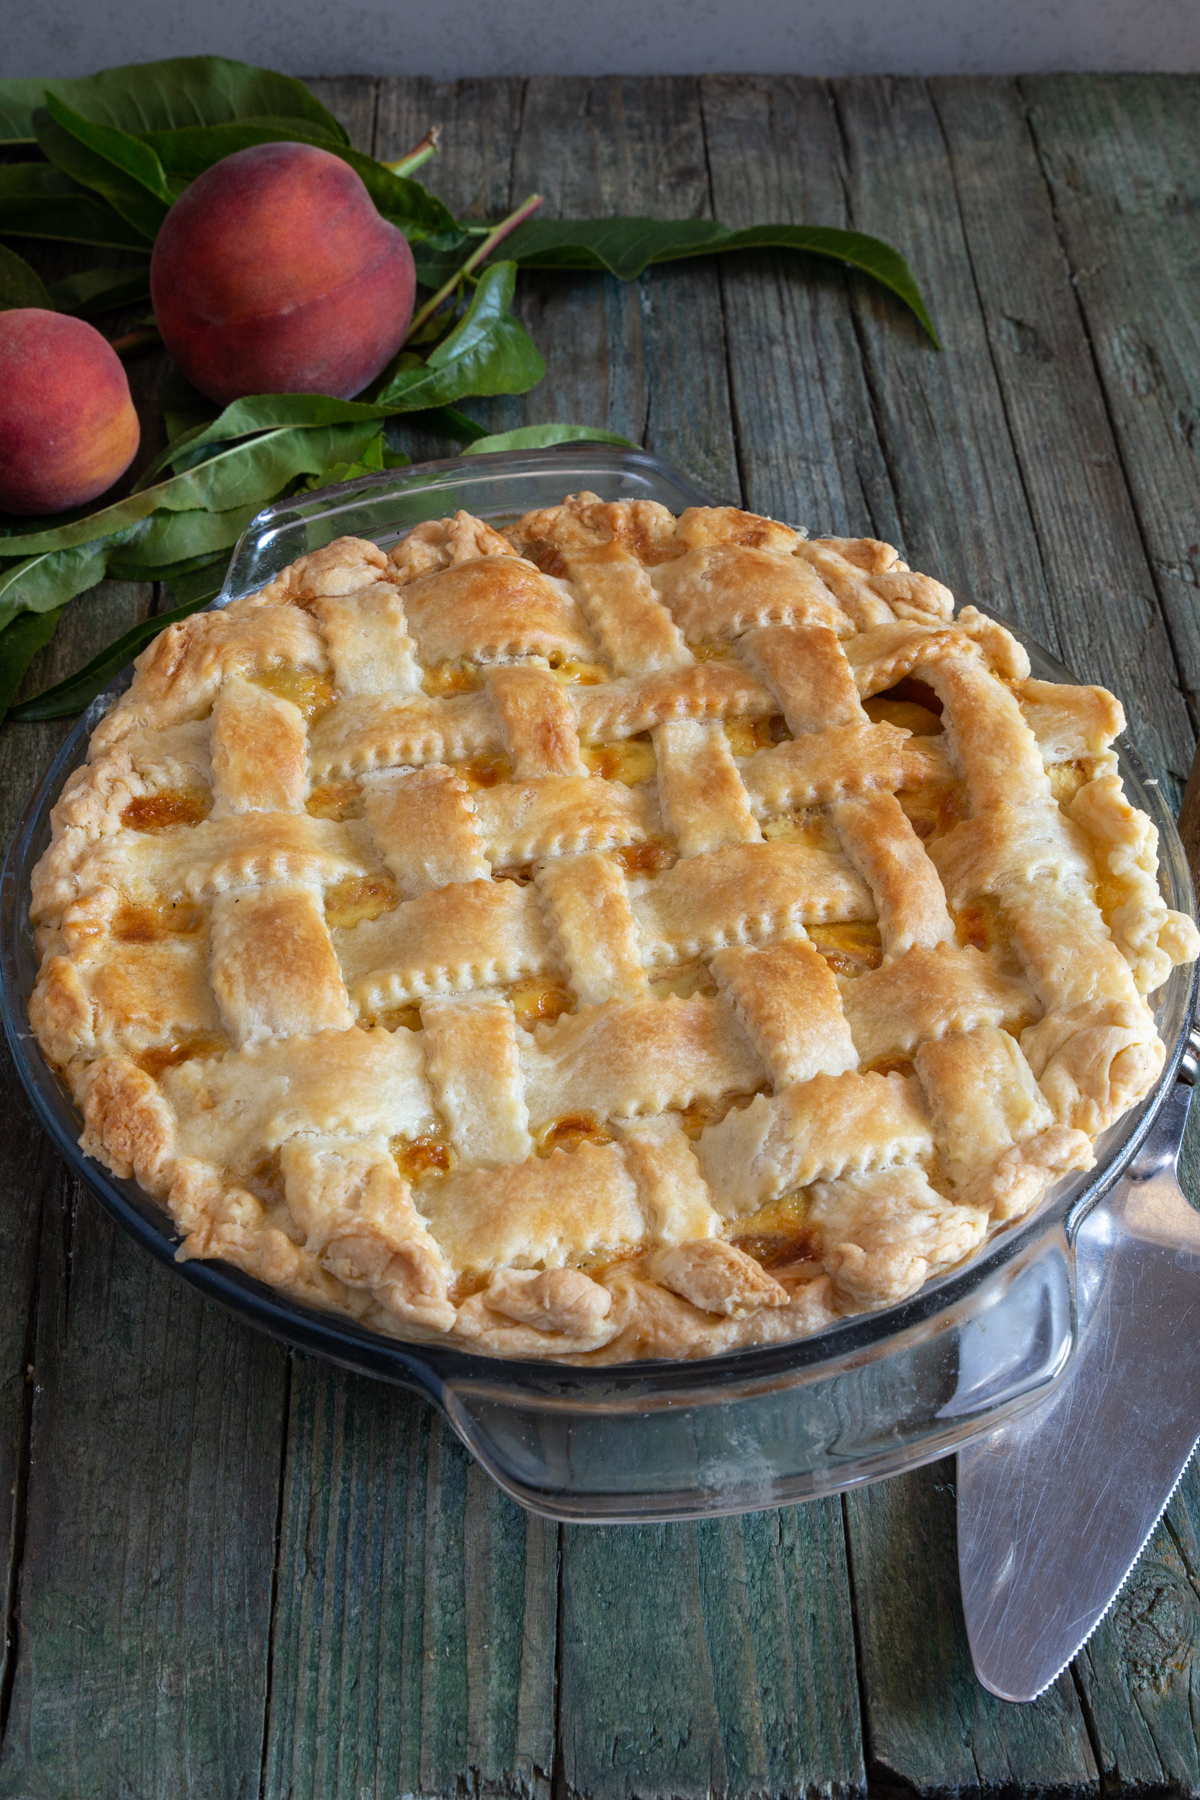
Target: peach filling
x: 404, y: 1017
x: 485, y: 771
x: 359, y: 897
x: 644, y: 859
x: 701, y: 1112
x: 1066, y: 779
x: 174, y: 806
x: 152, y: 920
x: 849, y: 949
x: 169, y: 1056
x: 335, y: 800
x: 748, y: 735
x: 312, y: 693
x: 629, y: 760
x: 570, y: 1132
x: 574, y: 673
x: 778, y: 1232
x: 535, y: 1002
x: 421, y: 1156
x: 449, y: 678
x: 917, y: 720
x: 980, y: 924
x: 807, y: 825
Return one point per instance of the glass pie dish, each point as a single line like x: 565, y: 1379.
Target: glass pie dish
x: 754, y: 1428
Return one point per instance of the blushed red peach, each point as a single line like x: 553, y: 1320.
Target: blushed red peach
x: 67, y: 424
x: 274, y: 274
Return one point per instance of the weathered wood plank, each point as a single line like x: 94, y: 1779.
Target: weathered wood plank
x: 645, y: 358
x: 146, y: 1575
x: 1123, y: 165
x: 31, y: 1169
x: 807, y: 443
x: 471, y: 173
x: 929, y: 1723
x: 1138, y: 1674
x: 415, y: 1614
x: 712, y: 1660
x: 1100, y: 592
x: 354, y: 102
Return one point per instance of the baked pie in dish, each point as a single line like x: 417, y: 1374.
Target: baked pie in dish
x: 619, y: 937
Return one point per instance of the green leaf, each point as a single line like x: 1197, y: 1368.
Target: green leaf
x: 254, y: 413
x: 245, y: 474
x: 405, y: 202
x: 451, y: 423
x: 538, y: 437
x: 488, y: 352
x: 74, y: 693
x: 377, y: 456
x: 41, y: 202
x: 127, y: 197
x: 100, y: 290
x: 129, y: 154
x: 19, y: 284
x: 165, y: 96
x: 44, y: 581
x: 19, y: 644
x: 626, y: 246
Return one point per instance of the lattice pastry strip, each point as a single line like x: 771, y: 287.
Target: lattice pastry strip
x: 351, y: 957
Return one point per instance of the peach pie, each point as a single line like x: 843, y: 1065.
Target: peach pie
x: 620, y: 937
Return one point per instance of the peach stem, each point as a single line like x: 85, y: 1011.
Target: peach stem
x: 420, y: 153
x: 473, y: 261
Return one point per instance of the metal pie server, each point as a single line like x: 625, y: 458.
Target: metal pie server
x: 1055, y: 1508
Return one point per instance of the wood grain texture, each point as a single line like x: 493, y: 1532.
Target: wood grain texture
x: 709, y: 1660
x: 1122, y: 160
x: 415, y: 1611
x: 146, y: 1576
x: 1138, y: 1674
x: 1100, y: 594
x: 645, y: 358
x: 472, y: 173
x: 929, y: 1725
x: 807, y: 443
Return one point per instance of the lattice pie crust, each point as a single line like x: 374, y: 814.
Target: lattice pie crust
x: 625, y: 937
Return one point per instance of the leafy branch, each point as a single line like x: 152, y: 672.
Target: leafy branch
x: 117, y: 149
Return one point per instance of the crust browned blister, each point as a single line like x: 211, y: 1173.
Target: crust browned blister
x: 622, y: 937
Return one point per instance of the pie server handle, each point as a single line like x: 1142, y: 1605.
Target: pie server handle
x: 1055, y: 1507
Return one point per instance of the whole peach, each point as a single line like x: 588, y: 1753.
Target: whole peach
x: 274, y: 274
x: 67, y: 424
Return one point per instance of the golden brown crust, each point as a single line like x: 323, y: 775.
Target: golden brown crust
x: 557, y: 944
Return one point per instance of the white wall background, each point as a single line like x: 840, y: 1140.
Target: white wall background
x: 450, y: 38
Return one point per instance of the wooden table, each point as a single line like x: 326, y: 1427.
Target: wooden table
x: 235, y: 1572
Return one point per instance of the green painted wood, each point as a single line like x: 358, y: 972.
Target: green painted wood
x: 712, y: 1660
x: 930, y: 1726
x: 415, y: 1614
x: 1123, y: 166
